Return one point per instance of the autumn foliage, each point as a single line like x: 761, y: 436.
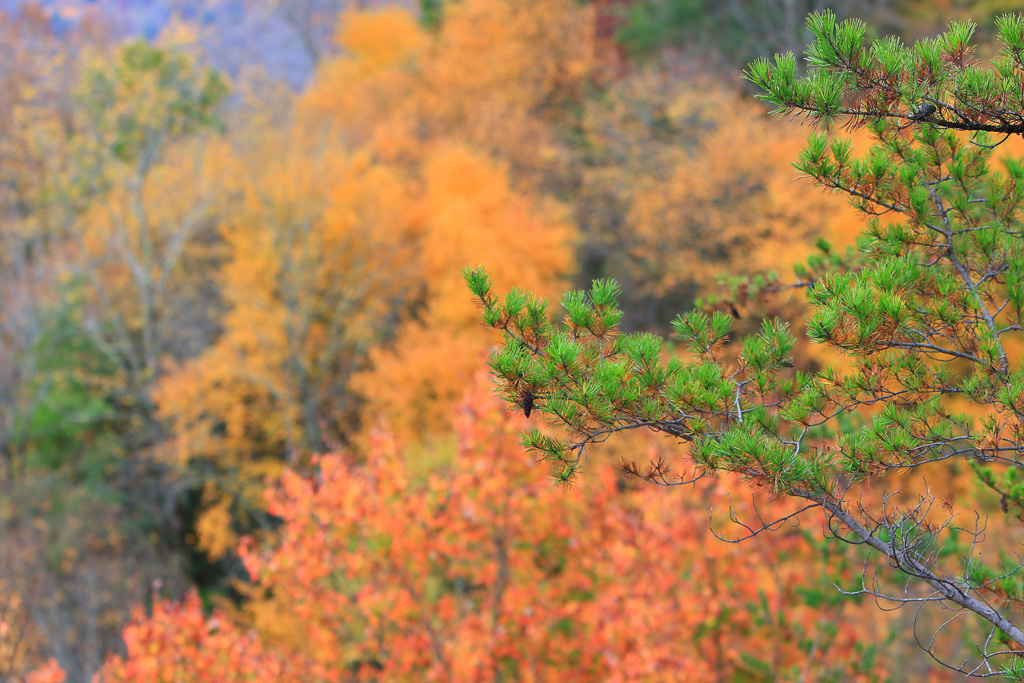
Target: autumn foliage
x: 178, y: 642
x: 234, y: 333
x: 486, y: 572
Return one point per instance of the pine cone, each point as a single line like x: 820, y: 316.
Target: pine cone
x: 923, y: 111
x: 527, y: 402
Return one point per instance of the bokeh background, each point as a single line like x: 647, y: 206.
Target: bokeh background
x: 246, y: 431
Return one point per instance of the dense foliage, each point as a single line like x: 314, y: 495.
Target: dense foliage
x: 484, y: 572
x: 927, y: 319
x: 230, y: 254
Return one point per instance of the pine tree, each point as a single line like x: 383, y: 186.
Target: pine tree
x: 927, y: 317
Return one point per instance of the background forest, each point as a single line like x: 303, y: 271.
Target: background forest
x: 246, y: 431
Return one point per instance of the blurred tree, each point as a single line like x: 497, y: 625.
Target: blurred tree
x: 526, y: 238
x: 36, y: 81
x: 347, y: 232
x: 103, y: 217
x: 483, y: 572
x: 468, y: 115
x: 500, y: 77
x: 179, y: 642
x: 681, y: 181
x: 135, y: 120
x: 320, y: 264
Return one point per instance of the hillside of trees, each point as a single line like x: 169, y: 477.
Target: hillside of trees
x: 247, y: 426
